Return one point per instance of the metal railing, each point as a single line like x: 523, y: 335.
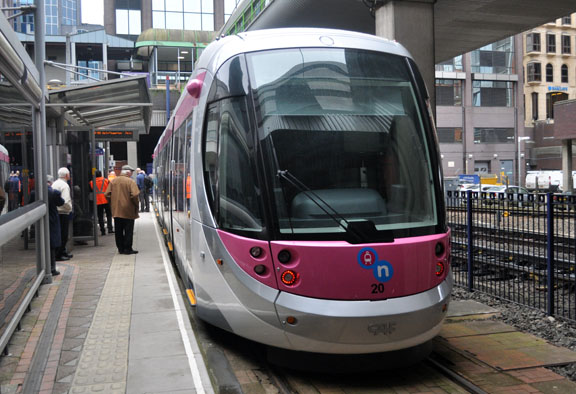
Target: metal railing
x: 517, y: 247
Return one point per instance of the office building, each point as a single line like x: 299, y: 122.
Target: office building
x: 479, y: 109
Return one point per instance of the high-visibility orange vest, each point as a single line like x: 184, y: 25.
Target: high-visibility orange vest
x: 101, y: 186
x: 188, y: 186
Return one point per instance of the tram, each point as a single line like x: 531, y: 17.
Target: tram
x: 299, y: 186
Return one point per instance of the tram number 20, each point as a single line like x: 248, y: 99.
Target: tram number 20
x: 377, y: 288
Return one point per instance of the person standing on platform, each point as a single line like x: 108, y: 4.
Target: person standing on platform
x: 142, y: 184
x: 64, y: 211
x: 55, y: 200
x: 123, y: 195
x: 102, y: 203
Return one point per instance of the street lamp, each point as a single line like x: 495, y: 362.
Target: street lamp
x: 520, y: 139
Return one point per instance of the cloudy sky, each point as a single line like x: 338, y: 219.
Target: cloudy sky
x: 92, y: 12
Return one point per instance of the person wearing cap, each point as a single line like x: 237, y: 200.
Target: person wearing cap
x: 123, y: 195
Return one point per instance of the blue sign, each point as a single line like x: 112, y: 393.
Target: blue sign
x: 381, y: 269
x: 469, y: 178
x: 558, y: 88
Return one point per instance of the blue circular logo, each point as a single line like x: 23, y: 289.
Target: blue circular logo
x: 381, y: 269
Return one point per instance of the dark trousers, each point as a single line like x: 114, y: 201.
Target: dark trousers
x: 144, y: 201
x: 124, y: 234
x: 53, y: 259
x: 64, y: 225
x: 101, y: 209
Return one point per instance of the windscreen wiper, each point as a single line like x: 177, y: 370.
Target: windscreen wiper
x: 357, y: 231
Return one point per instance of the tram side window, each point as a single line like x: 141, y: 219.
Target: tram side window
x: 164, y: 183
x: 179, y: 177
x: 229, y: 167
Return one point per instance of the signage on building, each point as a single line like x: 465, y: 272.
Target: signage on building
x: 115, y: 135
x: 557, y: 88
x: 16, y: 136
x: 463, y: 178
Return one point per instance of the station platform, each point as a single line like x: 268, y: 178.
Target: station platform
x: 113, y: 323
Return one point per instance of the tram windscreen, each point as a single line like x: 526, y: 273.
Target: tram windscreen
x: 346, y: 127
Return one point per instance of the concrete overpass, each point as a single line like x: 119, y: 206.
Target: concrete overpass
x: 432, y: 30
x: 459, y: 26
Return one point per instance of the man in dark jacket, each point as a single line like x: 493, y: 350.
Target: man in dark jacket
x: 123, y: 195
x: 55, y: 200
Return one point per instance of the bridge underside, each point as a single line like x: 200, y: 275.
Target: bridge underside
x: 460, y: 26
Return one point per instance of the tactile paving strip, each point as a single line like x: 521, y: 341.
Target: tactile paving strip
x: 103, y: 365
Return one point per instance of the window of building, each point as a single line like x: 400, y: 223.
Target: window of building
x: 493, y: 135
x: 534, y: 106
x: 229, y: 7
x: 534, y: 72
x: 183, y: 14
x: 448, y: 92
x: 69, y: 12
x: 564, y: 73
x: 495, y: 58
x: 25, y: 23
x: 452, y: 65
x: 551, y: 43
x: 533, y: 42
x: 128, y: 17
x: 449, y: 135
x: 51, y: 8
x: 549, y: 73
x: 552, y: 98
x: 567, y: 20
x: 566, y: 44
x: 492, y: 94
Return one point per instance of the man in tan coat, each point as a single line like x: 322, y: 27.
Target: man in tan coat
x: 123, y: 196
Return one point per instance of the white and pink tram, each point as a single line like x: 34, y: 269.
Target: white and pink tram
x: 299, y: 185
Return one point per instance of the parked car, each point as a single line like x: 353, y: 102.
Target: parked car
x: 514, y: 191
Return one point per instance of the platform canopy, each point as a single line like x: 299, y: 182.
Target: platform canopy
x: 104, y: 104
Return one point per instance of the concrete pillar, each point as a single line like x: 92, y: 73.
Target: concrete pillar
x: 68, y: 58
x: 73, y: 61
x: 132, y: 153
x: 567, y: 166
x: 411, y: 23
x: 104, y: 77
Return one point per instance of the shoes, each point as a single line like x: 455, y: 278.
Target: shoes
x: 131, y: 251
x: 66, y: 254
x: 55, y: 273
x: 110, y: 231
x: 62, y: 258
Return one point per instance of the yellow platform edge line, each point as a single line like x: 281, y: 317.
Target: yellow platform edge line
x: 191, y: 297
x: 170, y: 246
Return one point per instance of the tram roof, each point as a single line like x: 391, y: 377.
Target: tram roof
x: 104, y: 104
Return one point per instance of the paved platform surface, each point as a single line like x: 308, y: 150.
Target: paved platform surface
x: 117, y: 324
x: 109, y: 323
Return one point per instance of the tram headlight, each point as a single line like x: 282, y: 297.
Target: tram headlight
x: 439, y: 249
x: 284, y: 256
x: 260, y: 269
x: 289, y: 277
x: 256, y: 251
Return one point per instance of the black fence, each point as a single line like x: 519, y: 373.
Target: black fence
x: 518, y: 247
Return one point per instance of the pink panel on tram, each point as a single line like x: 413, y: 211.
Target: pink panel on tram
x: 339, y: 270
x: 342, y: 271
x: 239, y: 248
